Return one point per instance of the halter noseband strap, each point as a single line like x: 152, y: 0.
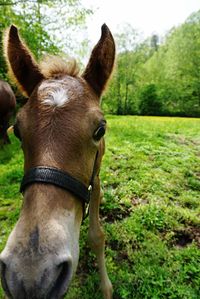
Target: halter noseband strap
x: 54, y: 176
x: 62, y: 179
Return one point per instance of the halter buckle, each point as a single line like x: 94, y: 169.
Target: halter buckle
x: 90, y: 188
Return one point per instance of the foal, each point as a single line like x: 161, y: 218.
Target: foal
x: 61, y: 129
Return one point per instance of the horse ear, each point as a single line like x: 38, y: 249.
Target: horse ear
x: 24, y: 70
x: 101, y: 62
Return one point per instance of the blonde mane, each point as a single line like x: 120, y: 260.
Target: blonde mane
x: 54, y: 66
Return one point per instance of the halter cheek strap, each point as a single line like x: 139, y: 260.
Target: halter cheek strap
x: 62, y: 179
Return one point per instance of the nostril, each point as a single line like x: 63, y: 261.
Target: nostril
x: 64, y: 271
x: 3, y: 279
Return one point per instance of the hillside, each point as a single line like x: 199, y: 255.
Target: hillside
x: 151, y: 208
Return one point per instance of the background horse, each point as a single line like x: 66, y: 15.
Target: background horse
x: 61, y: 129
x: 7, y: 106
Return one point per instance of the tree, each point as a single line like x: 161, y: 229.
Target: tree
x: 121, y: 96
x: 47, y: 26
x: 183, y: 65
x: 175, y: 69
x: 154, y: 42
x: 150, y: 103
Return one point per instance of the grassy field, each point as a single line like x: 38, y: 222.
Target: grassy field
x: 151, y: 209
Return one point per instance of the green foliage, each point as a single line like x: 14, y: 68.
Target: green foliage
x: 149, y: 102
x: 172, y: 66
x: 46, y: 26
x: 182, y: 64
x: 150, y: 211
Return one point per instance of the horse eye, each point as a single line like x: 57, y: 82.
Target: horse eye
x: 16, y: 131
x: 98, y: 134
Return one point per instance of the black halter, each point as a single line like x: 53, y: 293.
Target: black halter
x: 62, y: 179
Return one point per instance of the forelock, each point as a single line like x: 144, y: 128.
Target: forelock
x: 55, y: 67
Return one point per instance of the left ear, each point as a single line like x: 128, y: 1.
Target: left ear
x: 101, y: 62
x: 22, y: 66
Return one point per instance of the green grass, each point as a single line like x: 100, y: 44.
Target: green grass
x: 151, y: 209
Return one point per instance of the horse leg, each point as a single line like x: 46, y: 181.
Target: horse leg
x: 97, y: 241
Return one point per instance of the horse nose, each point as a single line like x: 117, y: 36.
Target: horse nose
x: 52, y: 283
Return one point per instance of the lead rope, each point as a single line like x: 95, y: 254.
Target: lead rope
x: 90, y: 189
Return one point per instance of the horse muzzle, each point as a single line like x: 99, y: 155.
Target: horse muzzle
x: 49, y: 280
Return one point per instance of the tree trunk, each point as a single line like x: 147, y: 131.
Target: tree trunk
x: 119, y: 100
x: 126, y: 99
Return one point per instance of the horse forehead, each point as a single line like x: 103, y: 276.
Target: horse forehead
x: 58, y: 92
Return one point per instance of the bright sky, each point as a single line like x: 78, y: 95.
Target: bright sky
x: 148, y: 16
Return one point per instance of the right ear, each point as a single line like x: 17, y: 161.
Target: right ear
x: 22, y: 66
x: 101, y: 62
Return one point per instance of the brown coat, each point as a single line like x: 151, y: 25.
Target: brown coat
x: 7, y: 106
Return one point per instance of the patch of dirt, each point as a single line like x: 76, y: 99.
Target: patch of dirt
x: 183, y: 140
x: 198, y: 175
x: 111, y: 215
x: 123, y: 255
x: 116, y: 245
x: 138, y: 201
x: 190, y: 205
x: 121, y: 251
x: 182, y: 238
x: 185, y: 237
x: 114, y: 185
x: 115, y: 214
